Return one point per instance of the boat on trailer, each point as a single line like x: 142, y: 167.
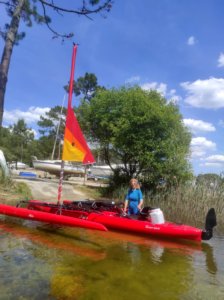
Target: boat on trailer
x: 54, y: 167
x: 111, y: 216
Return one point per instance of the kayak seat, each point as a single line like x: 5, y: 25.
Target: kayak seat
x: 144, y: 213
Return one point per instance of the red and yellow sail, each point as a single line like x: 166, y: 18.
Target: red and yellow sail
x: 75, y: 147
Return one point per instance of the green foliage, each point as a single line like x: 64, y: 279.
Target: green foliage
x: 35, y: 10
x: 144, y: 132
x: 52, y: 129
x: 5, y: 144
x: 28, y: 12
x: 51, y: 120
x: 85, y: 86
x: 45, y: 147
x: 210, y: 179
x: 22, y: 137
x: 16, y: 142
x: 21, y: 130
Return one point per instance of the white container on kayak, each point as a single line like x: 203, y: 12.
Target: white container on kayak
x: 157, y: 216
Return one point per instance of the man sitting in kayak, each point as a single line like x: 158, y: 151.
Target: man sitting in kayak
x: 134, y: 198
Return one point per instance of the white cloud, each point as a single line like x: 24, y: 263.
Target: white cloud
x: 215, y: 159
x: 198, y: 125
x: 213, y: 165
x: 32, y: 115
x: 133, y: 79
x: 191, y: 41
x: 200, y: 145
x: 159, y: 87
x: 162, y: 89
x: 221, y: 60
x: 208, y: 93
x: 172, y: 96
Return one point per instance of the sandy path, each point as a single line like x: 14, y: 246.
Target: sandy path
x: 48, y: 190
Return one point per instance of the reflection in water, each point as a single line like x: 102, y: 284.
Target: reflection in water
x: 61, y: 242
x: 184, y: 247
x: 208, y: 273
x: 157, y: 253
x: 38, y: 262
x: 210, y: 259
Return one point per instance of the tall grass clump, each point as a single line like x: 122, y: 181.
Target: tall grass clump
x: 5, y: 181
x: 117, y: 194
x: 189, y: 203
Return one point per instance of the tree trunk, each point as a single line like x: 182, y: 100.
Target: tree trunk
x: 7, y: 52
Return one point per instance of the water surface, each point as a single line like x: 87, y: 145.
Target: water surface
x: 42, y: 262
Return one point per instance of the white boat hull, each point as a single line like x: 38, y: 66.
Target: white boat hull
x: 101, y: 171
x: 54, y: 167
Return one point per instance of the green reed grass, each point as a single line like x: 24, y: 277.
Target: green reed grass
x: 187, y: 203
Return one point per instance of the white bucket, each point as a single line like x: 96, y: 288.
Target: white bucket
x: 157, y: 216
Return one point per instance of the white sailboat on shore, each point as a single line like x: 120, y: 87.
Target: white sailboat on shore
x: 54, y: 167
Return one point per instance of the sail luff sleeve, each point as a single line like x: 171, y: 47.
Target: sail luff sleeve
x: 75, y: 147
x: 72, y: 75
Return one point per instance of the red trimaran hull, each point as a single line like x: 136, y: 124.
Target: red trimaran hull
x: 166, y: 230
x: 34, y: 215
x: 114, y: 221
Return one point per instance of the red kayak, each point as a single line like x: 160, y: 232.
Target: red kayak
x: 49, y: 218
x: 109, y: 215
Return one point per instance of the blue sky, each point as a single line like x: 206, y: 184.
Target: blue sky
x: 174, y: 46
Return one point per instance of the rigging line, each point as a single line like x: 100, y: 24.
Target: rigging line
x: 59, y: 123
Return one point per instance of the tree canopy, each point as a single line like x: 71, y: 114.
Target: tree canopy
x: 85, y: 86
x: 52, y: 126
x: 140, y: 130
x: 17, y: 142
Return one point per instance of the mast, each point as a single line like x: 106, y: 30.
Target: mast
x: 69, y: 106
x: 75, y: 147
